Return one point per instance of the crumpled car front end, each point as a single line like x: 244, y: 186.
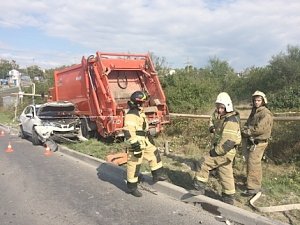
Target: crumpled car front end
x: 60, y: 130
x: 58, y: 122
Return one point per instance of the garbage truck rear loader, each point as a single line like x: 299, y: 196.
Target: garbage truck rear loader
x: 101, y: 86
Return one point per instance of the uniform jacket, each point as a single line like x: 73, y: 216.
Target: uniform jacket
x: 260, y: 123
x: 135, y: 126
x: 228, y: 134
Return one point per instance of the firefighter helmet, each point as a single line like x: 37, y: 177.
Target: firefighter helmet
x: 259, y: 93
x: 138, y: 98
x: 224, y: 98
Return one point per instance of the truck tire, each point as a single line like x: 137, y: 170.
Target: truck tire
x: 85, y: 130
x: 35, y: 138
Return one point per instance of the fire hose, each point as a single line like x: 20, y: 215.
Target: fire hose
x: 277, y: 208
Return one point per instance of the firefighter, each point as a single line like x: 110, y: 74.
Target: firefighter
x: 136, y: 133
x: 226, y: 138
x: 256, y: 133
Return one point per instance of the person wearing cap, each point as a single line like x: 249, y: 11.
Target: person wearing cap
x: 141, y: 146
x: 226, y: 137
x: 256, y: 133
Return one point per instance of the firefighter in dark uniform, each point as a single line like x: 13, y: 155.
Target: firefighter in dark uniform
x: 256, y: 134
x: 136, y: 133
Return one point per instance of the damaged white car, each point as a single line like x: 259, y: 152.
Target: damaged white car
x: 49, y: 123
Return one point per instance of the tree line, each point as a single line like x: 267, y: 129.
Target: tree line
x: 192, y: 90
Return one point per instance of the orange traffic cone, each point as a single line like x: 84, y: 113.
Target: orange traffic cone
x: 2, y: 133
x: 9, y: 148
x: 47, y: 151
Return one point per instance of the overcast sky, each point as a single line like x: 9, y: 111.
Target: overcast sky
x: 51, y: 33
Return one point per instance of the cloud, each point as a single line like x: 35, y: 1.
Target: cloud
x: 245, y: 33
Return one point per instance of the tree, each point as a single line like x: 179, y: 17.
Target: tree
x: 222, y: 72
x: 6, y: 66
x: 284, y: 69
x: 34, y: 71
x: 219, y: 68
x: 160, y: 64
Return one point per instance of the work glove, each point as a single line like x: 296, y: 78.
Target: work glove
x: 246, y: 133
x: 137, y: 151
x: 212, y: 153
x: 212, y: 129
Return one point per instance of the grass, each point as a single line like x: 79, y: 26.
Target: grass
x: 188, y: 140
x: 98, y: 149
x: 6, y: 117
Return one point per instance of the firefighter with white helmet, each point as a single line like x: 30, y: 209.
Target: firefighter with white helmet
x: 136, y: 133
x: 256, y: 133
x: 226, y: 138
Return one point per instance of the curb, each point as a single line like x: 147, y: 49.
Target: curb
x: 227, y: 211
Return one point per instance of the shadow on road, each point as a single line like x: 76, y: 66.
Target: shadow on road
x: 112, y: 174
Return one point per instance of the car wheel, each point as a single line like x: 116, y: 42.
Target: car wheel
x: 22, y: 133
x: 35, y: 138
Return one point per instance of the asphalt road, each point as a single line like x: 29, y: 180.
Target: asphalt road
x: 59, y: 189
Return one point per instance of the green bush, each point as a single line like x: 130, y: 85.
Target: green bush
x: 287, y: 99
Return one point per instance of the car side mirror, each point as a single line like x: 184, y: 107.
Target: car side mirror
x: 29, y: 115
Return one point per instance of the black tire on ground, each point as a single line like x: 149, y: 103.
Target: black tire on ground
x: 35, y: 139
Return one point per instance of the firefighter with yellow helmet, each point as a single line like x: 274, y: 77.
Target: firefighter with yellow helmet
x: 136, y: 133
x: 226, y: 137
x: 256, y: 133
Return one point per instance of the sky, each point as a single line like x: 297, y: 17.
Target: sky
x: 244, y: 33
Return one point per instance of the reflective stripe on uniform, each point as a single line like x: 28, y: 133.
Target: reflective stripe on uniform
x: 130, y: 123
x: 201, y: 179
x: 230, y: 132
x: 229, y: 192
x: 132, y: 180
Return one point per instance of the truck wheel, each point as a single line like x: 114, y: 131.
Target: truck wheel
x: 85, y: 131
x: 35, y: 138
x: 22, y: 133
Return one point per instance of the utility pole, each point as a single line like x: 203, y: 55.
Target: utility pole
x: 188, y: 64
x: 33, y: 92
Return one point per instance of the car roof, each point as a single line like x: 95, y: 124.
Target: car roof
x: 58, y: 103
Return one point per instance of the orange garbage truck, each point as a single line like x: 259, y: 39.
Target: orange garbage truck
x: 101, y: 86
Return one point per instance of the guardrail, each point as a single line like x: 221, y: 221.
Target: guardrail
x: 194, y: 116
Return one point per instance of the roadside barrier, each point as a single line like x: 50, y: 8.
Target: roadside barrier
x: 194, y: 116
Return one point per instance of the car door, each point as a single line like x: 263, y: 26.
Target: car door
x: 27, y: 119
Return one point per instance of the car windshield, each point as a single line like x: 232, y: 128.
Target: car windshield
x: 56, y: 111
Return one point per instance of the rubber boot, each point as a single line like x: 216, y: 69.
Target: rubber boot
x: 132, y: 189
x: 250, y: 192
x: 229, y: 199
x: 158, y: 175
x: 199, y: 186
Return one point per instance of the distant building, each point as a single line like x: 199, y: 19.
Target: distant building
x: 172, y: 72
x: 14, y: 78
x: 25, y: 80
x: 17, y: 79
x: 7, y: 101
